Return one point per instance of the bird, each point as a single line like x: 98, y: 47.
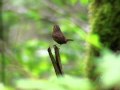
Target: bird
x: 58, y: 36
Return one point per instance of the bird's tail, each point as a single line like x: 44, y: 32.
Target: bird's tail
x: 70, y: 40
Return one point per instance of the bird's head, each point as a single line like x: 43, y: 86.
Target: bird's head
x: 56, y: 28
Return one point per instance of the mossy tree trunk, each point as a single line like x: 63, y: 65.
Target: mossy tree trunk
x: 104, y: 21
x: 2, y: 54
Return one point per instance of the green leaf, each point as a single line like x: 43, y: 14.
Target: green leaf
x: 108, y: 67
x: 73, y: 1
x: 62, y: 83
x: 10, y: 17
x: 58, y: 2
x: 84, y: 2
x: 94, y: 40
x: 33, y: 15
x: 32, y: 43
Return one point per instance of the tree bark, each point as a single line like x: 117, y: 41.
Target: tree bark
x: 105, y: 22
x: 2, y: 54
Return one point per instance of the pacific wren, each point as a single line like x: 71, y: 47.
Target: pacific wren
x: 58, y: 36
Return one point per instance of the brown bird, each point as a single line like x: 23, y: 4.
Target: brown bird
x: 58, y: 36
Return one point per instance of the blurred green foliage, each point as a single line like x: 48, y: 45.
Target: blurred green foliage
x: 28, y: 25
x: 62, y: 83
x: 108, y: 68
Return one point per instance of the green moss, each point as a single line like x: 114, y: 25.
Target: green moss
x: 105, y: 21
x: 104, y: 18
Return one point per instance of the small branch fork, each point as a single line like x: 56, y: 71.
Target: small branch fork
x: 56, y: 62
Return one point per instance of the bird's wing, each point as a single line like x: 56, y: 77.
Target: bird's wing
x: 58, y: 35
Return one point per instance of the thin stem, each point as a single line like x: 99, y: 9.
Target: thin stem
x: 58, y: 60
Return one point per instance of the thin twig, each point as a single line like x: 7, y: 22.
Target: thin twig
x: 53, y: 61
x: 58, y: 60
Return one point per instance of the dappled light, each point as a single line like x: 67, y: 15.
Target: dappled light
x: 59, y: 45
